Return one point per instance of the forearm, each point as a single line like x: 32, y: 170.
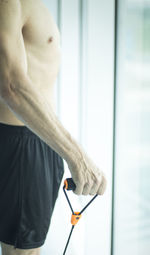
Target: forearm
x: 30, y: 106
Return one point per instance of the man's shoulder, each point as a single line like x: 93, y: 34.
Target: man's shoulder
x: 12, y: 12
x: 30, y: 10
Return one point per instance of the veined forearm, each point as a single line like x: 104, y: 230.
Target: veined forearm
x: 30, y: 106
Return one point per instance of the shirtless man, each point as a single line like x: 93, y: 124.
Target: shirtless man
x: 29, y: 63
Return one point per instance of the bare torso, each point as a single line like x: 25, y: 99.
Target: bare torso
x: 42, y: 46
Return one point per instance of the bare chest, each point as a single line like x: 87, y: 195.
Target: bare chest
x: 40, y: 29
x: 42, y: 47
x: 42, y: 44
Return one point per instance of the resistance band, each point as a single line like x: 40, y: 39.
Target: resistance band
x: 70, y: 185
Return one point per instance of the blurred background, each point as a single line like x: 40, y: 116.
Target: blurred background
x: 103, y: 99
x: 131, y: 196
x: 85, y: 106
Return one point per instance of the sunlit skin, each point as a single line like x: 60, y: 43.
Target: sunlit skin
x: 29, y: 66
x: 42, y: 49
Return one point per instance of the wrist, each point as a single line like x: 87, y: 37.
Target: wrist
x: 75, y: 154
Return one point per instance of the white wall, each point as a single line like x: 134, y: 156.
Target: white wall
x: 85, y: 106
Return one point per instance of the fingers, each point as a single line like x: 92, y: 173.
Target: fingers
x: 96, y: 185
x: 102, y: 186
x: 92, y: 187
x: 79, y: 188
x: 86, y: 189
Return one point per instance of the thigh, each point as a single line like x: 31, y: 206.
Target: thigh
x: 8, y: 249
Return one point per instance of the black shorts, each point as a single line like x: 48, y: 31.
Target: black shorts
x: 30, y: 177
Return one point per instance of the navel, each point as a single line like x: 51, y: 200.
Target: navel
x: 50, y: 39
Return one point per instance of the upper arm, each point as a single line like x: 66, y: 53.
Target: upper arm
x: 12, y: 50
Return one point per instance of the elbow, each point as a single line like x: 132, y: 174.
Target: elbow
x: 5, y: 91
x: 8, y: 86
x: 8, y: 94
x: 4, y: 86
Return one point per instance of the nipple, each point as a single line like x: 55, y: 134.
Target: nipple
x: 50, y: 39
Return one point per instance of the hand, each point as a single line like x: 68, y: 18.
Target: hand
x: 88, y: 178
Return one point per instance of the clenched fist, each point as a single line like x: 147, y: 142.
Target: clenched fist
x: 88, y: 178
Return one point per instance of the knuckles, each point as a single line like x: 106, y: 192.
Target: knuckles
x: 90, y: 182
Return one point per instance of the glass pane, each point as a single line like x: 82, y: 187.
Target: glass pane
x: 132, y: 154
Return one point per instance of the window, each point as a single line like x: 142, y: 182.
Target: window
x: 132, y: 144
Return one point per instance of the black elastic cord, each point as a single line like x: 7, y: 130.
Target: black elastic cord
x: 88, y: 204
x: 68, y: 239
x: 68, y: 200
x: 74, y: 213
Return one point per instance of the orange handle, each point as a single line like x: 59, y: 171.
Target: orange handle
x: 75, y: 218
x: 69, y: 184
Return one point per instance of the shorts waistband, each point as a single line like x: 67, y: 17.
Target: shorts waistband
x: 7, y: 129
